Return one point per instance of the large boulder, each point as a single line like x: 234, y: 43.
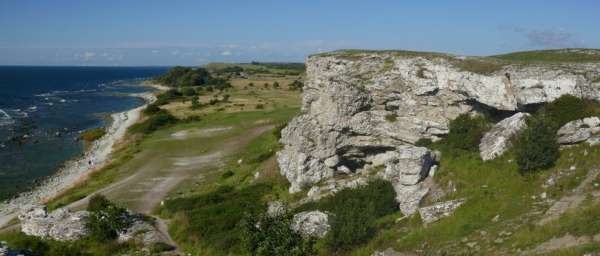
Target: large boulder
x: 362, y: 109
x: 311, y: 224
x: 579, y: 131
x: 497, y: 140
x: 140, y: 231
x: 61, y: 224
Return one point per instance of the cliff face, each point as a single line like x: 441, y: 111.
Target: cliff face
x: 362, y: 112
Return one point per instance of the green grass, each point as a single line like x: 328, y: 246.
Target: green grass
x: 481, y: 66
x: 93, y: 134
x: 553, y: 56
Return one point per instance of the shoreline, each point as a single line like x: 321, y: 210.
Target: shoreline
x: 96, y: 156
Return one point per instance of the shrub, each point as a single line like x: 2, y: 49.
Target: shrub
x: 106, y: 219
x: 536, y: 147
x: 151, y: 109
x: 391, y: 117
x: 188, y: 91
x: 260, y: 106
x: 160, y: 247
x: 424, y: 142
x: 354, y: 212
x: 195, y: 103
x: 277, y: 130
x: 184, y: 76
x: 274, y: 236
x: 93, y: 134
x: 565, y: 109
x: 466, y: 132
x: 155, y: 122
x: 166, y: 97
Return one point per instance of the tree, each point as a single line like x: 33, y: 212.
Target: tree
x: 105, y: 219
x: 195, y: 103
x: 536, y: 147
x: 276, y: 85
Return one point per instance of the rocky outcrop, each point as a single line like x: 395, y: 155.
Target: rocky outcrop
x: 365, y: 110
x: 313, y: 223
x: 61, y: 224
x: 276, y: 208
x: 586, y: 129
x: 438, y: 211
x: 140, y: 231
x: 496, y: 141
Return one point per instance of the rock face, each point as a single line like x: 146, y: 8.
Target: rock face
x: 581, y: 130
x: 313, y: 223
x: 496, y: 141
x: 141, y: 232
x: 437, y: 211
x: 366, y: 110
x: 61, y: 225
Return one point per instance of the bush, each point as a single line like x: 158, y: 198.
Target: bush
x: 391, y: 117
x: 188, y: 91
x: 260, y: 106
x: 184, y: 76
x: 151, y: 109
x: 106, y: 219
x: 93, y: 134
x: 155, y: 122
x: 274, y: 236
x: 466, y: 132
x: 195, y: 103
x: 166, y: 97
x: 565, y: 109
x: 424, y: 142
x: 354, y: 212
x: 536, y: 147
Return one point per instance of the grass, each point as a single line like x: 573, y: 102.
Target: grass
x: 93, y: 134
x: 480, y: 66
x: 553, y: 56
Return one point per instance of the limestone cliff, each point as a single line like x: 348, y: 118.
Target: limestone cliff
x: 363, y: 111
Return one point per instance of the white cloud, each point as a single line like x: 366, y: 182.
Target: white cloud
x: 226, y: 53
x: 155, y: 51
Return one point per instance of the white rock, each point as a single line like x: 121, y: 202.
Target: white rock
x: 437, y: 211
x: 578, y: 131
x: 276, y: 208
x: 61, y: 224
x: 313, y: 223
x: 496, y: 141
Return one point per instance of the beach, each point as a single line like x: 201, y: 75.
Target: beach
x: 94, y: 158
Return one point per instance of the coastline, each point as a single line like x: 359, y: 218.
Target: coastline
x: 94, y: 158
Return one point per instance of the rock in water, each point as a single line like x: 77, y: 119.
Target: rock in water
x: 313, y: 223
x: 61, y: 224
x: 496, y: 141
x: 437, y: 211
x: 362, y: 110
x: 579, y: 131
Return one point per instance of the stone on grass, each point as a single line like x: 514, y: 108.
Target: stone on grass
x: 311, y: 224
x: 438, y: 211
x: 496, y: 141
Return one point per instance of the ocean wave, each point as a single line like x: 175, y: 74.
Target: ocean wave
x: 5, y: 118
x: 57, y: 93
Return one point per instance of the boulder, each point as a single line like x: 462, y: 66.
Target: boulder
x: 362, y: 110
x: 579, y: 131
x: 437, y: 211
x: 496, y: 141
x: 276, y: 208
x: 140, y: 231
x: 61, y: 224
x: 312, y: 223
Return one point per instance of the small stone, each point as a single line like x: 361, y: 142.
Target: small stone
x: 543, y: 195
x: 498, y: 241
x: 313, y: 223
x: 496, y: 218
x: 505, y: 233
x: 471, y: 244
x: 573, y: 168
x: 483, y: 232
x: 239, y: 161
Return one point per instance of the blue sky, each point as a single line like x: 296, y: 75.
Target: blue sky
x: 152, y: 32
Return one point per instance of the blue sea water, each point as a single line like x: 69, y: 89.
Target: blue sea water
x: 43, y: 109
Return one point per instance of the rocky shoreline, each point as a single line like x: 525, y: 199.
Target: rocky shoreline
x: 94, y: 158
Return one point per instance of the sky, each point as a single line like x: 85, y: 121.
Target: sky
x: 182, y: 32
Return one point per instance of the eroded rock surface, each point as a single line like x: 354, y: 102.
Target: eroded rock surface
x: 313, y: 223
x: 496, y: 141
x: 586, y: 129
x: 438, y: 211
x: 365, y: 110
x: 61, y: 224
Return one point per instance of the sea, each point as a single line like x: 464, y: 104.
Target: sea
x: 43, y: 110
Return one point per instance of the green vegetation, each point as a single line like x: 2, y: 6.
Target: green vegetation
x: 568, y: 108
x: 536, y: 147
x: 272, y: 235
x: 106, y: 219
x: 553, y: 56
x: 168, y: 96
x: 424, y: 142
x: 391, y: 117
x: 154, y: 122
x: 184, y: 76
x: 466, y: 132
x: 480, y: 65
x: 93, y: 134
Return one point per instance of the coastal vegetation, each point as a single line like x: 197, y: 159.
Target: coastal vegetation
x: 92, y: 134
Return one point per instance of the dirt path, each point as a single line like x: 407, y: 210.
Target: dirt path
x: 572, y: 201
x: 149, y: 185
x: 564, y: 242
